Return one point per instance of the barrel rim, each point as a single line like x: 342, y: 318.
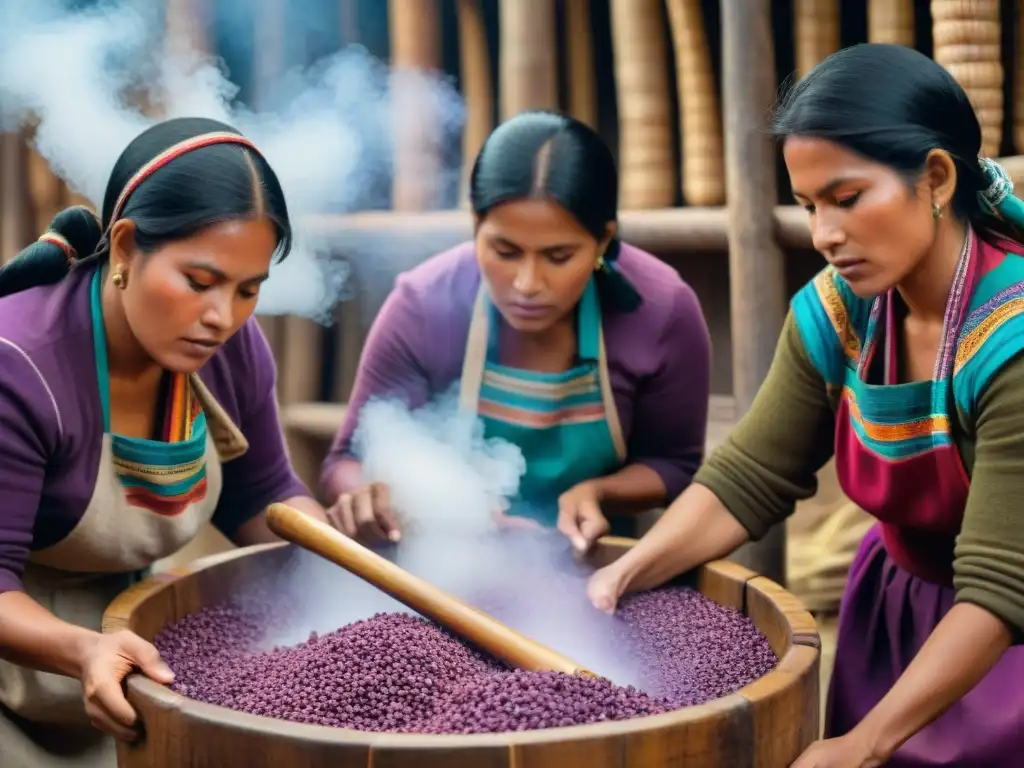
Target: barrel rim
x: 799, y: 658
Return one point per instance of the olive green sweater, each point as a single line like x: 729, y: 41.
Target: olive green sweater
x: 770, y: 459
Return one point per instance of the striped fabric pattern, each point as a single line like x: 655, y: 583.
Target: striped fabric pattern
x: 539, y: 400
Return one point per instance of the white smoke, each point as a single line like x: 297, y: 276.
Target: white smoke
x: 76, y: 76
x: 442, y: 474
x: 329, y: 132
x: 445, y: 480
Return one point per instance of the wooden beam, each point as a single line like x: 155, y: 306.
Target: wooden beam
x: 757, y: 286
x: 660, y: 230
x: 665, y: 230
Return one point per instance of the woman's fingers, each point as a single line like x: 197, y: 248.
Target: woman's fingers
x: 386, y: 517
x: 340, y: 515
x: 366, y: 519
x: 109, y: 710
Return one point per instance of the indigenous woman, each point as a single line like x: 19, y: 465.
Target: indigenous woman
x: 136, y: 404
x: 585, y: 352
x: 903, y: 359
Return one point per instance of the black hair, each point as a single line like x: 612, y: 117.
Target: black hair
x: 894, y: 105
x: 546, y: 154
x: 196, y: 189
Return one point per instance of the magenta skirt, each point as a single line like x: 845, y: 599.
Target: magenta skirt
x: 885, y: 618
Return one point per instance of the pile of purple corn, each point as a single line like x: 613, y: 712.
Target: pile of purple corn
x: 399, y: 673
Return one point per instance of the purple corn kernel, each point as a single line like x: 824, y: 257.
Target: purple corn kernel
x: 399, y: 673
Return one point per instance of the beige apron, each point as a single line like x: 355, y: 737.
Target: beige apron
x: 42, y: 719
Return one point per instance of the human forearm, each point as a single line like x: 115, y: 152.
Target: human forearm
x: 988, y: 560
x: 770, y: 458
x: 633, y: 489
x: 256, y: 530
x: 33, y: 637
x: 961, y: 650
x: 695, y: 529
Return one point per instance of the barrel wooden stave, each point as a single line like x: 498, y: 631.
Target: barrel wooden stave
x: 765, y: 724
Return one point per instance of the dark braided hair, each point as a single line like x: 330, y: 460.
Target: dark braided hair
x: 195, y: 190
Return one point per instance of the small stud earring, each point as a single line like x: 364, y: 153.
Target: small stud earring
x: 120, y: 279
x: 936, y: 211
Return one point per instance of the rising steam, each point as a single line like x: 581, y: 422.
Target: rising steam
x: 330, y: 136
x: 444, y: 479
x: 78, y: 77
x: 443, y: 475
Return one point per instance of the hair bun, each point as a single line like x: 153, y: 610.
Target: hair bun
x: 73, y: 235
x: 81, y: 228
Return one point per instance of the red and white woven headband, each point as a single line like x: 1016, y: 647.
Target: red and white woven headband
x: 158, y: 162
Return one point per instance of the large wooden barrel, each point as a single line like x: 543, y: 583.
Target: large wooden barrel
x: 766, y: 724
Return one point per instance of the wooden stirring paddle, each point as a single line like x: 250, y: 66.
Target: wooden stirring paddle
x: 467, y: 622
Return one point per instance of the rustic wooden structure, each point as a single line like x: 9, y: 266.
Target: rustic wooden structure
x: 756, y: 262
x: 766, y: 724
x: 654, y: 77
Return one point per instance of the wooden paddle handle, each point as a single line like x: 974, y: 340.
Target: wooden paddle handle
x: 465, y: 621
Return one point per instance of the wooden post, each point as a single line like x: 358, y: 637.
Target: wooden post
x: 757, y: 291
x: 967, y: 39
x: 185, y: 27
x: 47, y: 193
x: 579, y: 53
x: 815, y: 32
x: 527, y: 56
x: 700, y: 117
x: 349, y: 15
x: 891, y: 21
x: 18, y: 218
x: 294, y: 340
x: 414, y: 29
x: 647, y: 174
x: 475, y: 66
x: 267, y: 63
x: 187, y: 42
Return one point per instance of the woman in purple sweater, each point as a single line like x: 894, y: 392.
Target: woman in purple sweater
x: 588, y: 354
x: 136, y: 404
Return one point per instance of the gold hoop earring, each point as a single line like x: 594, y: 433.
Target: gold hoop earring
x: 936, y: 211
x: 120, y: 279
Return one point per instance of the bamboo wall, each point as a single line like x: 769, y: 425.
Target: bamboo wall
x: 646, y: 73
x: 649, y: 75
x: 653, y: 77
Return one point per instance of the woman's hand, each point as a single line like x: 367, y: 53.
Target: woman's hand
x: 606, y: 586
x: 366, y: 515
x: 849, y: 751
x: 580, y: 517
x: 106, y: 663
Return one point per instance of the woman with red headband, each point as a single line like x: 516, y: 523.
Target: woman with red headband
x: 136, y: 404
